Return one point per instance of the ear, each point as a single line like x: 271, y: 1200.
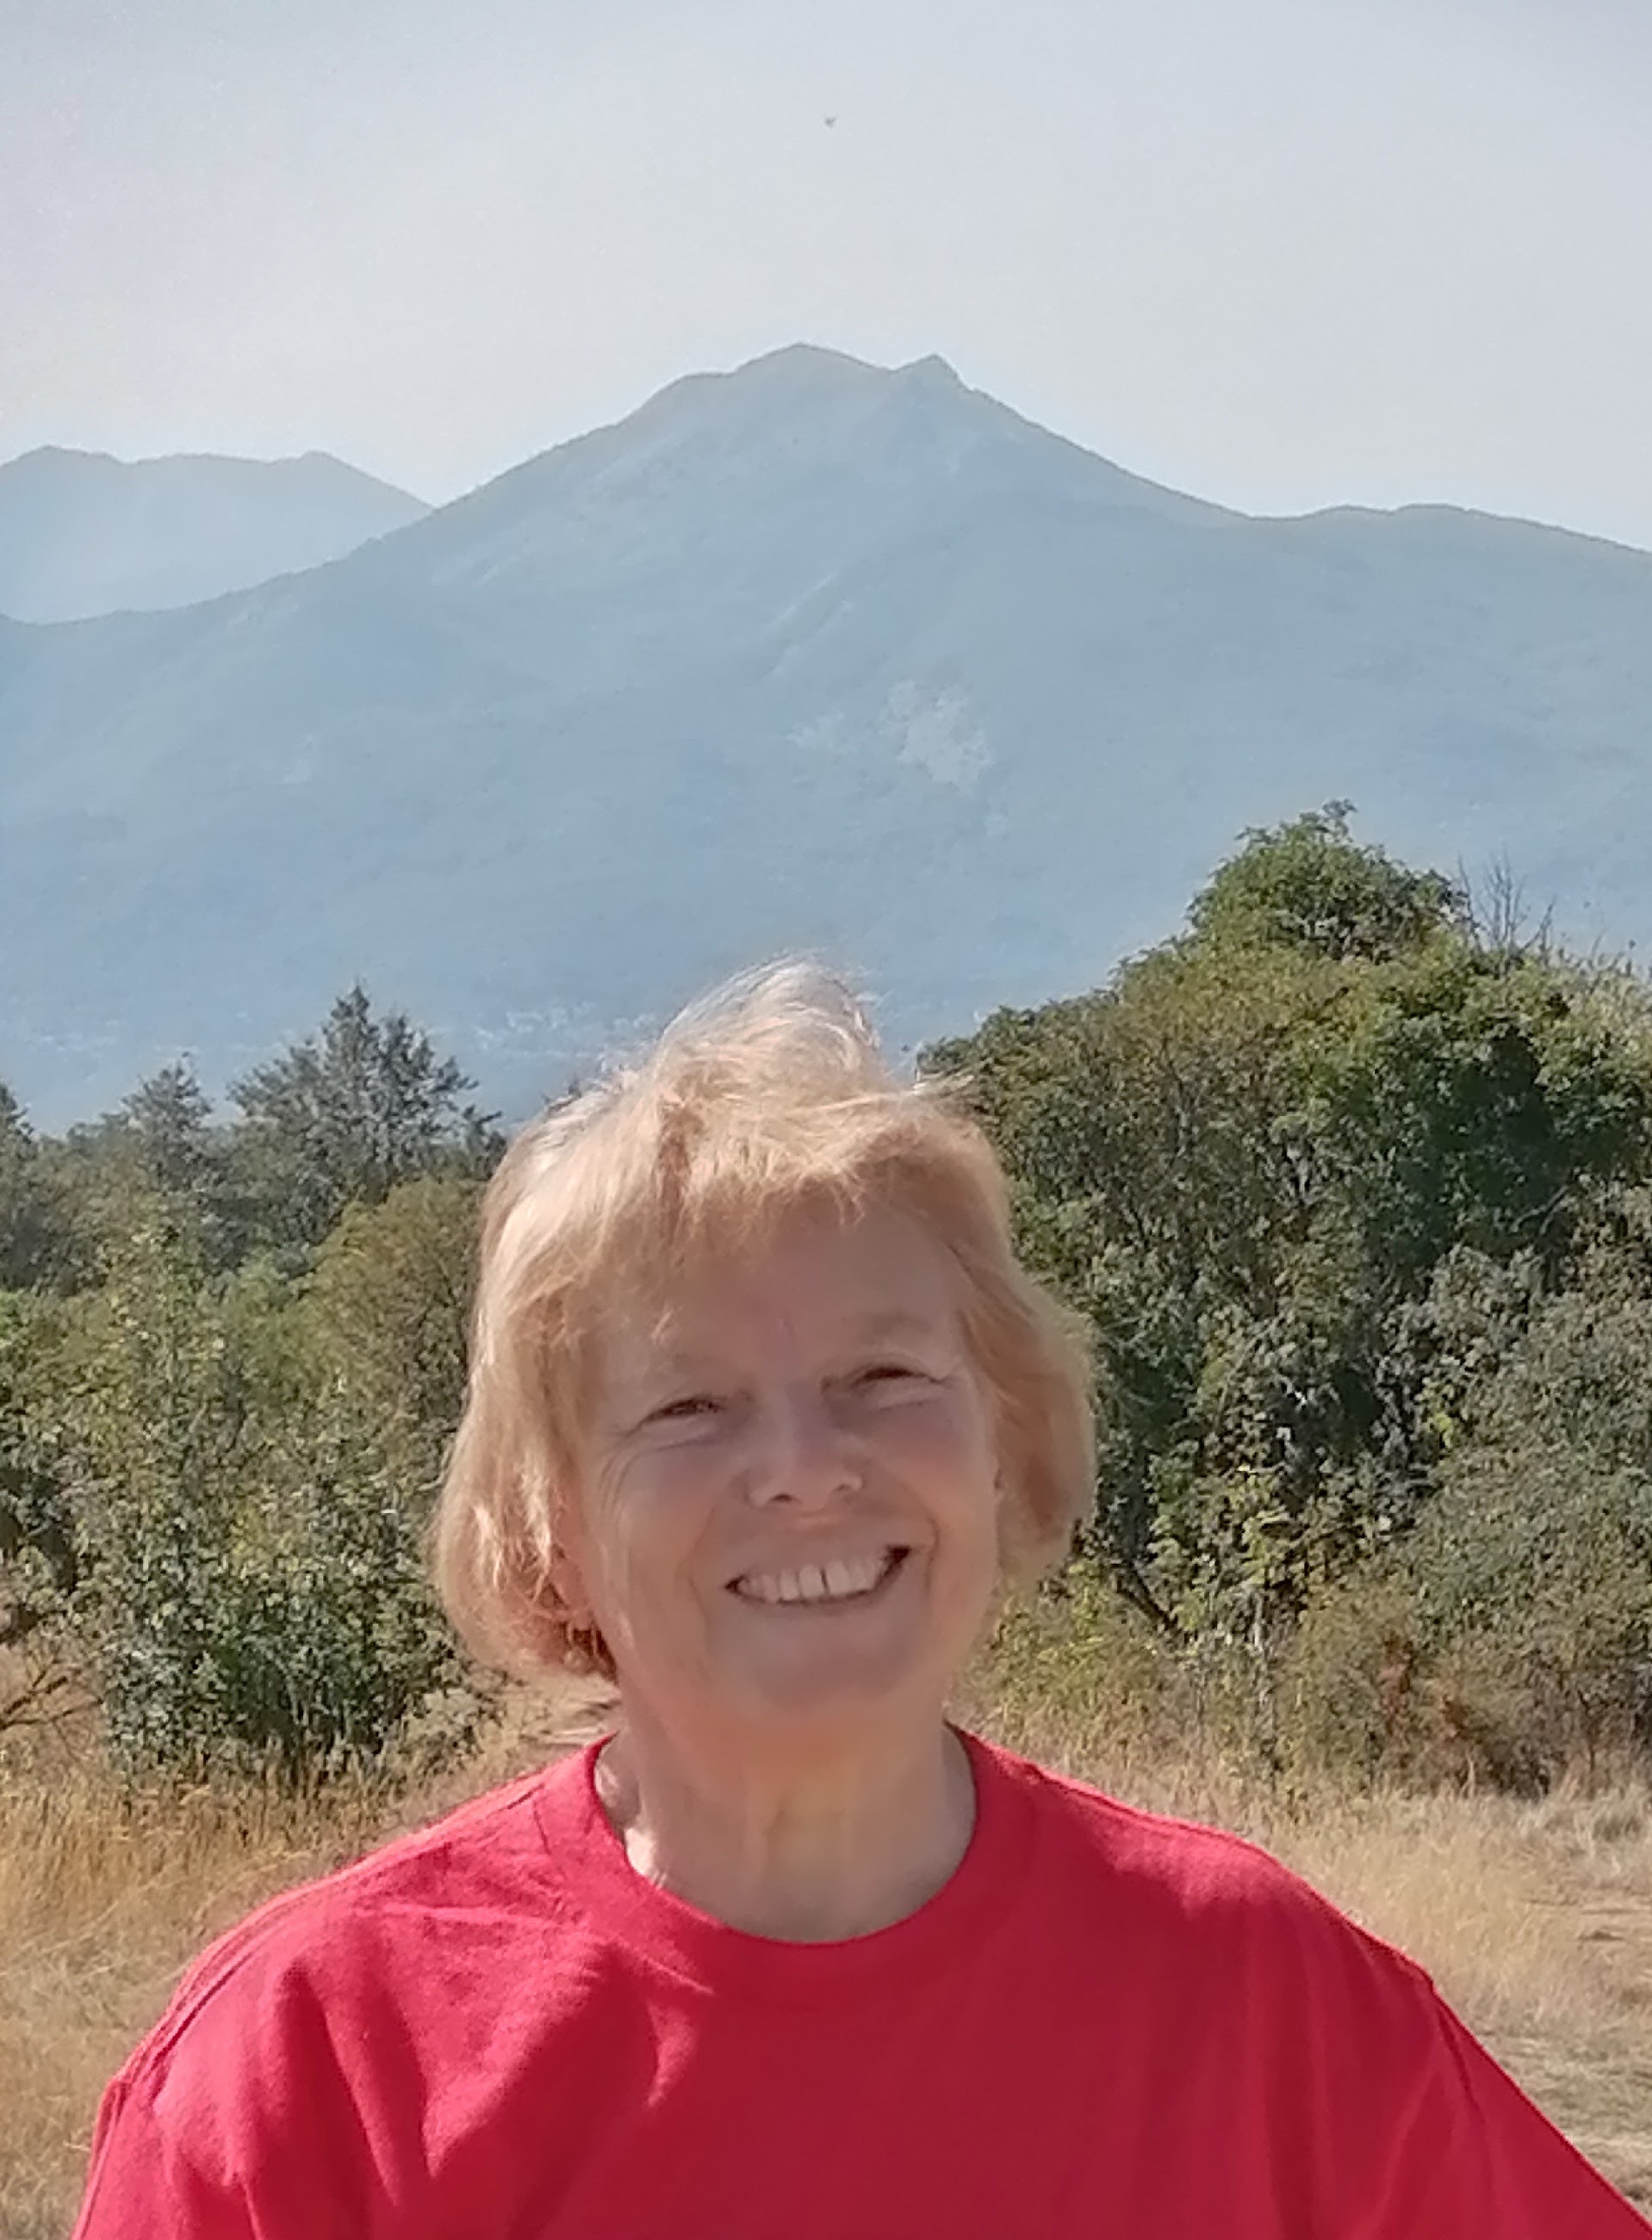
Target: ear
x: 566, y: 1571
x: 572, y: 1602
x: 1007, y: 1524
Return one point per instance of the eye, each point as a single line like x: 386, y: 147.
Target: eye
x: 888, y: 1374
x: 685, y: 1409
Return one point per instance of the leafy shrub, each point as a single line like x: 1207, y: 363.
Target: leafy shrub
x: 389, y: 1303
x: 1366, y: 1695
x: 249, y: 1588
x: 1073, y: 1671
x: 290, y: 1631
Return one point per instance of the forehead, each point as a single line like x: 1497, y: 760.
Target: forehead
x: 876, y: 1275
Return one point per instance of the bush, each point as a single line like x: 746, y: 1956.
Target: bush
x: 1367, y: 1695
x: 389, y: 1305
x: 1072, y: 1667
x: 247, y: 1581
x: 290, y: 1632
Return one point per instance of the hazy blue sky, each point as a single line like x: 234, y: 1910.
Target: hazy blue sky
x: 1281, y: 252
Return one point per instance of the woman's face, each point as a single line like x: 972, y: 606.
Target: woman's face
x: 789, y: 1511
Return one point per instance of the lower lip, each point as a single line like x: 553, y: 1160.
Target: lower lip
x: 826, y: 1604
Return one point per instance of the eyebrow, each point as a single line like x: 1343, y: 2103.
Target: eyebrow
x: 890, y: 1321
x: 870, y: 1329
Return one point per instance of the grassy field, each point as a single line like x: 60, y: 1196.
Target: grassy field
x: 1534, y: 1918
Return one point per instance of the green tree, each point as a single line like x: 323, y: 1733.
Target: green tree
x: 39, y: 1554
x: 168, y: 1118
x: 161, y: 1143
x: 37, y: 1244
x: 1307, y: 884
x: 389, y: 1304
x: 1247, y: 1158
x: 344, y: 1116
x: 1536, y: 1555
x: 249, y: 1588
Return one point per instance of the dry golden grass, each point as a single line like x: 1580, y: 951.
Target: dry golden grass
x: 1536, y: 1920
x: 103, y: 1899
x: 100, y: 1905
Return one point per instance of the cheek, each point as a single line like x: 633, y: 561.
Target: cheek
x: 647, y: 1523
x: 951, y: 1468
x: 947, y: 1457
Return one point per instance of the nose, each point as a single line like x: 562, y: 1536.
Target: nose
x: 801, y: 1453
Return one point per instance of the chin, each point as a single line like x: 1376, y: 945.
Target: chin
x: 838, y: 1703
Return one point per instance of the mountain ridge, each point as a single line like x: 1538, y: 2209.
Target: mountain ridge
x: 812, y: 655
x: 83, y: 534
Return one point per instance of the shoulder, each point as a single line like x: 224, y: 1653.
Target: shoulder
x: 1264, y: 1990
x: 356, y: 2012
x: 366, y: 1931
x: 1293, y: 2026
x: 1197, y: 1895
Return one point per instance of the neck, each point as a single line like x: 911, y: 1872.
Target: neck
x: 833, y: 1848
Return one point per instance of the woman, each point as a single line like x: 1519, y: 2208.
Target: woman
x: 763, y: 1417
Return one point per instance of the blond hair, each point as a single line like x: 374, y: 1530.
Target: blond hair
x: 767, y: 1098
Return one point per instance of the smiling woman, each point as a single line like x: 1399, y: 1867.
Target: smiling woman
x: 763, y: 1418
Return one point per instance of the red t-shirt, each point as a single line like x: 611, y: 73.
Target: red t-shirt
x: 1105, y: 2023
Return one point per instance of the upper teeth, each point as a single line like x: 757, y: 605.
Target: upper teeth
x: 815, y: 1582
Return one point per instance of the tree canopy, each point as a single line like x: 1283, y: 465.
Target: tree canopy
x: 341, y: 1117
x: 1261, y: 1159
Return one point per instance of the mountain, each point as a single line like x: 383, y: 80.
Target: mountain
x: 810, y: 654
x: 82, y: 533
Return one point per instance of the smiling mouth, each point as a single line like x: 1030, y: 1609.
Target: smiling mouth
x: 817, y: 1586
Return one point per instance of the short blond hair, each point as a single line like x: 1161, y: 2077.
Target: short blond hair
x: 767, y: 1098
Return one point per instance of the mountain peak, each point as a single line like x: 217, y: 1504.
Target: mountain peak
x: 808, y: 655
x: 802, y: 375
x: 818, y: 363
x: 819, y: 359
x: 804, y: 455
x: 933, y: 370
x: 795, y: 373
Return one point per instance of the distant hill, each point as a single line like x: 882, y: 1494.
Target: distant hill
x: 82, y: 533
x: 807, y: 654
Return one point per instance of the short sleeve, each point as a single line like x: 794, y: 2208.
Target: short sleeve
x: 140, y: 2187
x: 1473, y: 2159
x: 234, y: 2122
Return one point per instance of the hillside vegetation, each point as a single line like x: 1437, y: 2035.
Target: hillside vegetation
x: 1352, y: 1183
